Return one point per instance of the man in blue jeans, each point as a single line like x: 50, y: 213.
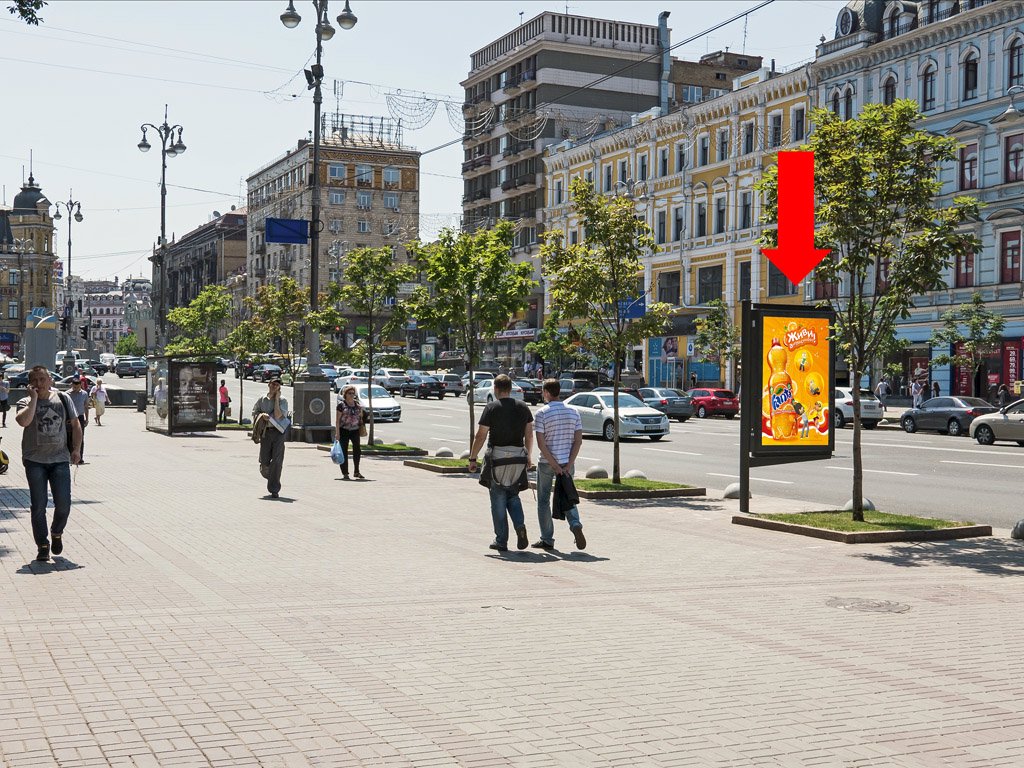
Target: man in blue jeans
x: 505, y: 424
x: 49, y: 419
x: 559, y: 437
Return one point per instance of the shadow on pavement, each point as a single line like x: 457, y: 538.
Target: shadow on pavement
x: 282, y: 499
x: 997, y: 557
x: 36, y: 568
x: 679, y: 502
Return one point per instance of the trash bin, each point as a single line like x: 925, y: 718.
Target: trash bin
x: 140, y: 402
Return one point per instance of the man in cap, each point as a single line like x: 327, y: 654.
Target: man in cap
x: 272, y: 444
x: 80, y: 397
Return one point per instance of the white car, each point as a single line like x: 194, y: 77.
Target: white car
x: 597, y: 412
x: 477, y: 376
x: 355, y: 376
x: 870, y: 408
x: 1005, y: 424
x: 390, y: 378
x: 385, y: 407
x: 483, y: 392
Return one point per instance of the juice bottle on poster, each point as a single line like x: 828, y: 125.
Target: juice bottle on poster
x: 780, y: 389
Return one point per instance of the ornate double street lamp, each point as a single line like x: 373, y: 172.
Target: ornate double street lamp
x: 314, y: 78
x: 169, y: 147
x: 74, y: 211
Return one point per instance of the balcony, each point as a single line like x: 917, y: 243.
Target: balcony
x: 526, y: 180
x: 259, y: 271
x: 483, y: 161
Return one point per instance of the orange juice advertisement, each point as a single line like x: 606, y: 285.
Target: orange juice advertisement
x: 795, y: 382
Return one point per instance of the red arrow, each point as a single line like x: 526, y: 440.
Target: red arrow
x: 796, y: 255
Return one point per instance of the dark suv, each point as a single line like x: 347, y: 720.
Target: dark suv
x: 130, y: 367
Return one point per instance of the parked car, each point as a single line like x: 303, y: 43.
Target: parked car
x: 483, y: 392
x: 570, y: 387
x: 477, y: 376
x: 634, y: 391
x: 385, y: 407
x: 355, y: 376
x: 422, y: 387
x: 946, y: 414
x: 1005, y: 424
x: 714, y: 402
x: 133, y: 367
x: 870, y: 408
x: 265, y: 372
x: 328, y: 371
x: 674, y: 403
x: 20, y: 379
x: 86, y: 369
x: 390, y: 378
x: 415, y: 372
x: 100, y: 368
x: 531, y: 391
x: 452, y: 383
x: 596, y: 410
x: 65, y: 381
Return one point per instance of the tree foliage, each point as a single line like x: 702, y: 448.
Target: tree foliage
x: 279, y: 312
x: 473, y: 287
x: 28, y: 10
x: 876, y: 181
x: 557, y: 343
x: 594, y: 280
x: 129, y: 346
x: 977, y: 330
x: 246, y: 339
x: 199, y: 325
x: 717, y: 336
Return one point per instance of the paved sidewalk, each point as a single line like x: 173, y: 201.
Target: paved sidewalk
x: 193, y: 623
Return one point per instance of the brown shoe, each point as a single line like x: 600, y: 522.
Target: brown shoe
x: 522, y: 542
x: 581, y: 540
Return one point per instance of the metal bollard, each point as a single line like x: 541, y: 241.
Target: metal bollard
x: 140, y: 402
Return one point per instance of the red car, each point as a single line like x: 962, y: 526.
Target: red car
x: 712, y: 402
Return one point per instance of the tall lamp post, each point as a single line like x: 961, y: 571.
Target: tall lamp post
x: 314, y: 78
x: 74, y: 211
x: 169, y: 147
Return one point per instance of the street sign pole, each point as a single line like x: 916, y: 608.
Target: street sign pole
x: 746, y: 406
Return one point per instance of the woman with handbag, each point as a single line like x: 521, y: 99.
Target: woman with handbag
x: 225, y: 402
x: 349, y: 425
x: 98, y: 400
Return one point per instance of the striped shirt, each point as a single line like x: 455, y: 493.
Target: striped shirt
x: 559, y: 424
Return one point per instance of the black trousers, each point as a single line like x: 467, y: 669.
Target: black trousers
x: 272, y: 457
x: 346, y: 435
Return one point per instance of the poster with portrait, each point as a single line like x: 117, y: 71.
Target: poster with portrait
x: 157, y: 409
x: 191, y: 396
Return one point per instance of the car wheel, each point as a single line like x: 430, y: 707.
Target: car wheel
x: 984, y: 435
x: 869, y: 424
x: 955, y: 428
x: 608, y: 432
x: 702, y: 412
x: 908, y: 424
x: 490, y: 399
x: 683, y: 419
x: 729, y: 415
x: 838, y: 420
x: 655, y: 438
x: 441, y: 396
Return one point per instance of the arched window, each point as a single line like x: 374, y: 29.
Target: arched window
x: 928, y: 88
x: 835, y: 102
x: 1015, y: 63
x: 969, y: 77
x: 893, y: 24
x: 889, y: 91
x: 848, y: 105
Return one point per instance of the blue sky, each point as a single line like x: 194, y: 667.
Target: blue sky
x: 77, y: 88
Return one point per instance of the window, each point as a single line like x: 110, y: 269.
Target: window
x: 623, y: 170
x: 848, y: 105
x: 835, y: 103
x: 335, y: 197
x: 775, y: 136
x: 746, y: 210
x: 704, y: 150
x: 334, y: 225
x: 1015, y: 64
x: 661, y: 227
x: 744, y: 280
x: 1009, y: 257
x: 364, y: 175
x: 12, y: 310
x: 928, y: 89
x: 882, y: 281
x: 364, y: 200
x: 390, y: 228
x: 965, y: 270
x: 12, y: 279
x: 589, y: 176
x: 691, y: 94
x: 364, y: 226
x: 719, y: 215
x: 709, y: 284
x: 558, y: 192
x: 1014, y: 157
x: 702, y: 219
x: 392, y: 175
x: 391, y: 201
x: 889, y: 91
x: 677, y: 224
x: 668, y: 288
x: 970, y: 77
x: 748, y: 138
x: 723, y: 145
x: 778, y: 283
x: 574, y: 237
x: 798, y: 124
x: 643, y: 168
x: 825, y: 289
x: 607, y: 178
x: 680, y: 157
x: 336, y: 171
x: 969, y: 166
x: 663, y: 162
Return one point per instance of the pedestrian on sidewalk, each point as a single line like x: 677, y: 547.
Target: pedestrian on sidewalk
x: 936, y: 389
x: 50, y: 443
x: 506, y: 425
x: 882, y: 393
x: 272, y: 443
x: 1004, y: 396
x: 348, y: 424
x: 559, y: 437
x: 5, y: 398
x: 225, y: 402
x: 80, y: 398
x: 100, y: 399
x: 917, y: 390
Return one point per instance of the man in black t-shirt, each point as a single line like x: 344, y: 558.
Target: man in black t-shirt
x: 509, y: 425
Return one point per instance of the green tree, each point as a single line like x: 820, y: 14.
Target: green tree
x: 246, y: 339
x: 876, y: 180
x: 593, y: 282
x: 558, y: 344
x: 717, y: 336
x: 473, y: 287
x: 129, y: 346
x: 28, y: 10
x: 199, y: 325
x: 371, y: 280
x: 976, y: 329
x: 282, y: 311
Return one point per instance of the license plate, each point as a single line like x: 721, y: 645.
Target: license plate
x: 652, y: 429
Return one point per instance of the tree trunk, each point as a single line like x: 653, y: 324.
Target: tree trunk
x: 369, y: 380
x: 615, y: 411
x: 241, y: 393
x: 858, y: 463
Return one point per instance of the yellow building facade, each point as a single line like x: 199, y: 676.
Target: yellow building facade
x: 692, y: 175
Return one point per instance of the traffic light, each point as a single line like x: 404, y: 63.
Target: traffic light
x: 64, y: 322
x: 83, y: 330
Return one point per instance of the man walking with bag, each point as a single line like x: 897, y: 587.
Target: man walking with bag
x: 50, y: 443
x: 559, y: 437
x: 506, y: 425
x: 273, y: 440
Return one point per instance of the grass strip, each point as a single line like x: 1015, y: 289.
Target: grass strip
x: 443, y: 462
x: 835, y: 520
x: 385, y: 447
x: 627, y: 484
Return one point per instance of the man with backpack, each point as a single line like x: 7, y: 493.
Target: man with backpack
x: 506, y: 425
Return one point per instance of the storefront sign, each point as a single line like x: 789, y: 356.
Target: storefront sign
x: 963, y: 374
x: 427, y: 358
x: 1011, y: 362
x: 517, y: 333
x: 192, y: 396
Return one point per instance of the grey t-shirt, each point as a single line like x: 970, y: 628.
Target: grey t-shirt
x: 79, y: 398
x: 266, y: 405
x: 45, y: 440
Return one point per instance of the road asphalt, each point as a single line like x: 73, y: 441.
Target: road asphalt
x: 191, y: 621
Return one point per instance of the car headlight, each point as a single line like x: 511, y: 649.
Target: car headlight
x: 631, y: 419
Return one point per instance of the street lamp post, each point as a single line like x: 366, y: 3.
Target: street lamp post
x: 168, y: 148
x: 314, y: 78
x: 74, y: 211
x: 23, y: 246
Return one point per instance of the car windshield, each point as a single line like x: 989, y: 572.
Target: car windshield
x: 625, y: 401
x: 867, y: 394
x: 428, y: 379
x: 975, y: 402
x: 360, y: 374
x: 377, y: 392
x: 678, y: 392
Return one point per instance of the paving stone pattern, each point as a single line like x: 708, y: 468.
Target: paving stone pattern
x: 191, y: 622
